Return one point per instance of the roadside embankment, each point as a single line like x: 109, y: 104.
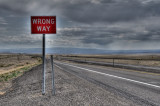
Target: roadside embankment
x: 13, y: 66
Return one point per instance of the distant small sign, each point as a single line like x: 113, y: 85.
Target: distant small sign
x: 43, y: 24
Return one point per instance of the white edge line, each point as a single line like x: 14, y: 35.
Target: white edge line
x: 58, y: 67
x: 109, y: 75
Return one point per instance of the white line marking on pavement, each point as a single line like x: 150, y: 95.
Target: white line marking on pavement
x: 58, y: 67
x: 111, y: 75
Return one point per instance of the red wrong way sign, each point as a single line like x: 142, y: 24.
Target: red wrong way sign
x: 43, y: 24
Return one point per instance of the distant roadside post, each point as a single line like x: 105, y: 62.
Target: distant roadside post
x: 43, y: 25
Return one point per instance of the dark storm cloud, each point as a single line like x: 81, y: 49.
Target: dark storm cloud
x: 150, y: 36
x: 88, y: 12
x: 82, y: 22
x: 97, y: 40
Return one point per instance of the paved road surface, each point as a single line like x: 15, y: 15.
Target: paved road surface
x: 143, y: 88
x: 127, y: 66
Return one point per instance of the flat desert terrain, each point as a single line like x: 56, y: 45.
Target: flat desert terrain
x: 13, y: 66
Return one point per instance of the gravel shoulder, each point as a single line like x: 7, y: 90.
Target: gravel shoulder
x: 70, y: 91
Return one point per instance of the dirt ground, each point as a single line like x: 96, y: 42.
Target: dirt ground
x: 12, y: 66
x: 9, y: 62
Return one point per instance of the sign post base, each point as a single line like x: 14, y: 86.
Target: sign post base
x: 53, y: 86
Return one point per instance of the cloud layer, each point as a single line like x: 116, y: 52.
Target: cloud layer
x: 105, y: 24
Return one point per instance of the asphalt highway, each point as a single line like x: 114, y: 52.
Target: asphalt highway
x: 141, y: 87
x: 118, y: 65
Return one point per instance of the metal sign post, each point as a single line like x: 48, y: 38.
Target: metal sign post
x: 53, y: 87
x: 44, y: 25
x: 44, y: 65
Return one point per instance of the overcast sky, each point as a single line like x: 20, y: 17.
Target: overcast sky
x: 100, y: 24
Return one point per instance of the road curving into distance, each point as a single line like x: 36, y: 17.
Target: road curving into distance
x: 118, y: 65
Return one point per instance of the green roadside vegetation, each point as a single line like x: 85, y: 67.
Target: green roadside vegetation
x: 16, y: 73
x: 16, y: 64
